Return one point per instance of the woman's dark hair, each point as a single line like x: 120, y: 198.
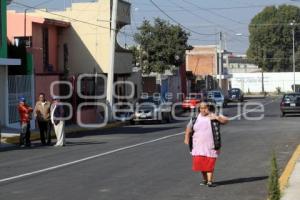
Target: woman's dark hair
x: 211, y: 106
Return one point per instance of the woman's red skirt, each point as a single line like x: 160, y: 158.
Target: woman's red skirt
x: 203, y: 163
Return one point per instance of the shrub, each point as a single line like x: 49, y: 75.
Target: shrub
x: 273, y: 189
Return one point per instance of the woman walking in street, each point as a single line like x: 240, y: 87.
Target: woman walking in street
x: 204, y: 151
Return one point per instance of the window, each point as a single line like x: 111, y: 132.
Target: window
x: 47, y: 68
x: 23, y: 41
x: 91, y: 86
x: 66, y: 57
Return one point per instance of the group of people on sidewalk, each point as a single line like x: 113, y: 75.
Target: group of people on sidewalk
x: 47, y: 114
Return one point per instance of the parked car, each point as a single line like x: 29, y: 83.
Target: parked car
x: 216, y: 97
x: 152, y: 109
x: 290, y: 104
x: 235, y: 94
x: 191, y: 101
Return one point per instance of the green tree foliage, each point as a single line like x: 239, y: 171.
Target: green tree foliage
x: 135, y: 55
x: 274, y: 190
x: 161, y: 45
x: 271, y: 41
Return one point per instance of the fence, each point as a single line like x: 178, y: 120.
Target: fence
x: 252, y: 82
x: 18, y: 86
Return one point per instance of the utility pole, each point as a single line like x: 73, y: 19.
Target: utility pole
x: 25, y: 11
x: 110, y: 74
x: 294, y: 67
x: 220, y: 60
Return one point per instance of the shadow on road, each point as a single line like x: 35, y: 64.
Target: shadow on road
x: 83, y: 143
x: 292, y: 115
x: 16, y: 147
x: 231, y: 105
x: 254, y: 97
x: 122, y: 130
x: 242, y: 180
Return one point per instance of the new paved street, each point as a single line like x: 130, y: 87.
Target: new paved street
x: 151, y: 169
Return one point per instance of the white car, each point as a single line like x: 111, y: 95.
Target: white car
x: 152, y: 108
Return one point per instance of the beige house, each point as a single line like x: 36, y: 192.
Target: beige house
x: 88, y: 38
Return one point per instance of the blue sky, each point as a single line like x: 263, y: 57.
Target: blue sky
x: 201, y: 16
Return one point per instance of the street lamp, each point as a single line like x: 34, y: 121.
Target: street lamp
x: 239, y: 34
x: 220, y: 60
x: 294, y: 68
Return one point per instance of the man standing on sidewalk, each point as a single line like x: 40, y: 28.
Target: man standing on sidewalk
x: 25, y: 116
x: 42, y: 114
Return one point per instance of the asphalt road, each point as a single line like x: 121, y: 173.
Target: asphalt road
x: 150, y: 161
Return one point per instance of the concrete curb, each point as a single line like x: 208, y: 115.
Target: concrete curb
x: 35, y: 135
x: 289, y: 168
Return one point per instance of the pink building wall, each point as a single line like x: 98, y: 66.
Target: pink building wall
x: 15, y: 24
x: 53, y: 47
x: 37, y: 48
x: 43, y: 85
x: 89, y: 115
x: 34, y: 29
x: 43, y: 80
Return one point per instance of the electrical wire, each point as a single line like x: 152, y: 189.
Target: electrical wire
x: 195, y: 5
x: 209, y: 21
x: 69, y: 18
x: 214, y: 13
x: 179, y: 24
x: 42, y: 3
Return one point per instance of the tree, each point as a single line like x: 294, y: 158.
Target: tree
x: 161, y: 45
x: 271, y: 40
x: 135, y: 55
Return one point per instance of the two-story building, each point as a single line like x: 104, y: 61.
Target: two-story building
x: 81, y: 36
x: 202, y: 64
x: 40, y: 36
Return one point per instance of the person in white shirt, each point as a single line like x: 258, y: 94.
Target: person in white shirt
x: 57, y: 113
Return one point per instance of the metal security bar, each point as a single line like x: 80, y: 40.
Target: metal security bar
x: 18, y: 86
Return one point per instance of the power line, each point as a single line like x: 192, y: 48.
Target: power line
x: 179, y: 24
x: 44, y: 2
x: 276, y: 24
x: 209, y: 21
x: 214, y: 13
x: 238, y: 7
x: 69, y: 18
x: 230, y: 30
x: 208, y: 8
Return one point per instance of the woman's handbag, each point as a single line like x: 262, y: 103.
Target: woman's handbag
x: 215, y: 125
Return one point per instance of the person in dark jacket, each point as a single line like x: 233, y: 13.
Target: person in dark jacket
x: 25, y: 116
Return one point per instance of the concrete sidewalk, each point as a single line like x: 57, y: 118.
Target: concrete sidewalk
x: 292, y: 190
x: 11, y: 136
